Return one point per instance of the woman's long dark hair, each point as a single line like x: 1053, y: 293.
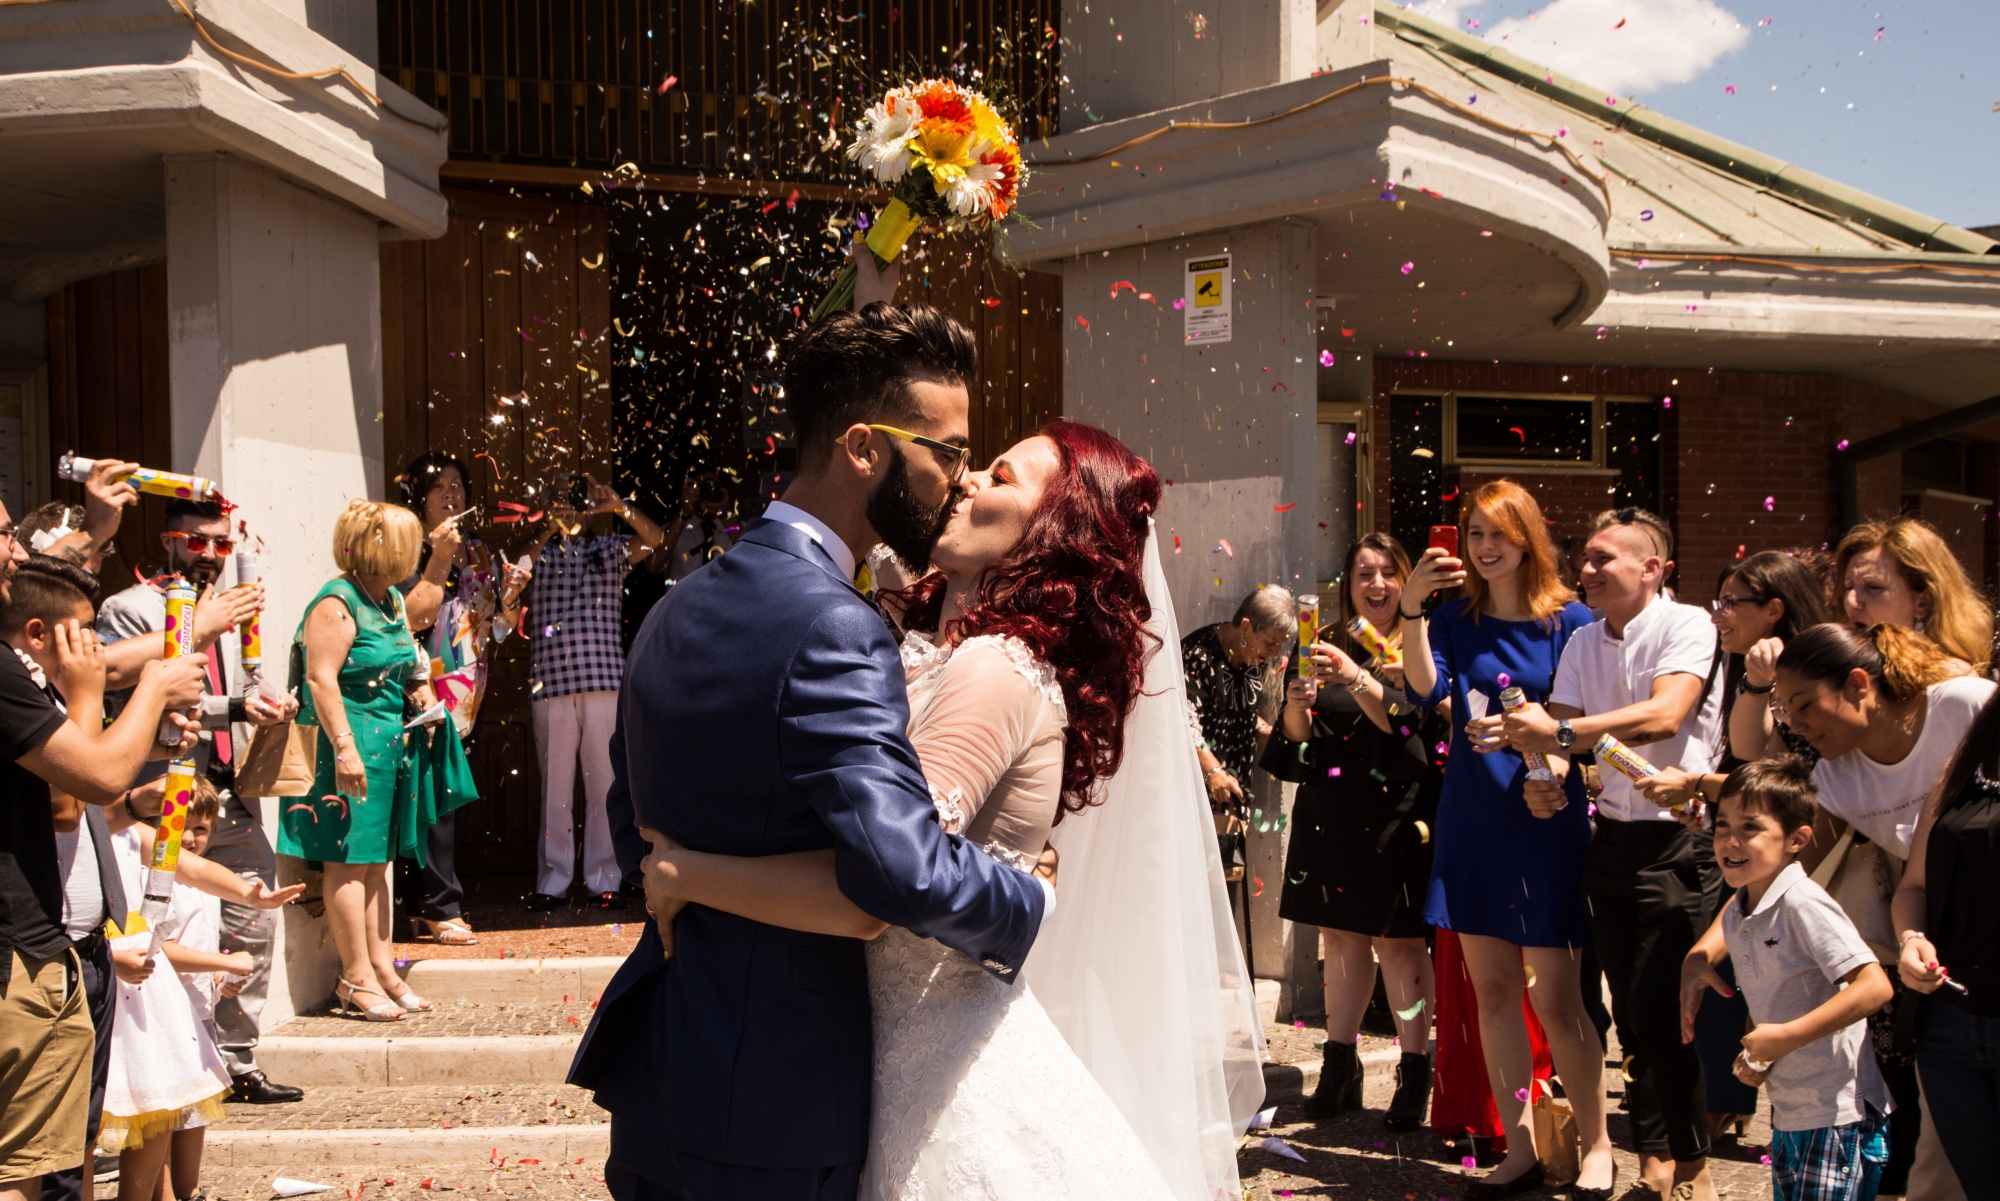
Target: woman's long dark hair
x: 1074, y: 590
x: 1900, y: 663
x: 423, y: 474
x: 1399, y: 562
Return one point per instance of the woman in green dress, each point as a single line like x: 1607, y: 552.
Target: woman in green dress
x: 378, y: 787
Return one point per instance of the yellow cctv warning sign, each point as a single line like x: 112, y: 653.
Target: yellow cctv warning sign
x: 1207, y: 312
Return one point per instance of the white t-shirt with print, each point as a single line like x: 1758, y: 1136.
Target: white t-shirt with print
x: 1600, y: 673
x: 1883, y: 800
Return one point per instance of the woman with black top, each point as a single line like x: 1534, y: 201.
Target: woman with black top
x: 1359, y: 863
x: 1947, y: 914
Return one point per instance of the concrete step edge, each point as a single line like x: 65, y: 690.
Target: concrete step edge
x: 448, y: 1059
x: 511, y: 980
x: 1285, y: 1081
x: 295, y: 1152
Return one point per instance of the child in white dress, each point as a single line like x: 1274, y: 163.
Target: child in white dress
x: 167, y: 1080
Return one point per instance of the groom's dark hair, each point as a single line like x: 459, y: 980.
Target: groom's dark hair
x: 859, y: 366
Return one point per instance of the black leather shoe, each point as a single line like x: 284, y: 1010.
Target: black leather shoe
x: 1413, y: 1093
x: 541, y: 902
x: 253, y: 1088
x: 1339, y: 1088
x: 1579, y: 1193
x: 608, y: 901
x: 1528, y: 1181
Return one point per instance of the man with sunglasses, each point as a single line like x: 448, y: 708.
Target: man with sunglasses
x: 197, y: 541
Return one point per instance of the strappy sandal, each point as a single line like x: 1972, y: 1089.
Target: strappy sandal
x: 409, y: 1002
x: 451, y: 932
x: 388, y: 1011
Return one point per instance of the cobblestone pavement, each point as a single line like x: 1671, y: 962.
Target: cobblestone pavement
x: 493, y: 906
x: 530, y: 1181
x: 1353, y: 1159
x: 455, y: 1017
x: 434, y: 1106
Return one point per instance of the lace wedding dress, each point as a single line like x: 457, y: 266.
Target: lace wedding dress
x: 977, y: 1094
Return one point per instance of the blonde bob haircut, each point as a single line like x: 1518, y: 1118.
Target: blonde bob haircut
x: 1960, y: 621
x: 1513, y: 511
x: 372, y: 537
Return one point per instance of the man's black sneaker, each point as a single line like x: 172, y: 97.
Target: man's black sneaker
x: 608, y: 900
x: 253, y: 1088
x: 541, y: 902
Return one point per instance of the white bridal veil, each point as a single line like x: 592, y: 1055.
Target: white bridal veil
x: 1140, y: 968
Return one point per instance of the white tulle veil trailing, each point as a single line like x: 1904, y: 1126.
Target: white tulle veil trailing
x: 1140, y: 967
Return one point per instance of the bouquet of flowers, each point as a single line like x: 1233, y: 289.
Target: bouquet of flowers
x: 951, y: 160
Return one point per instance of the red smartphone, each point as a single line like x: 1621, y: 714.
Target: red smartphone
x: 1445, y: 537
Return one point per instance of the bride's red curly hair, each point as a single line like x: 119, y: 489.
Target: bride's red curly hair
x: 1073, y: 590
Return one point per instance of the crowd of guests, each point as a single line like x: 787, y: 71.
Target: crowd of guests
x: 1800, y: 897
x: 384, y: 678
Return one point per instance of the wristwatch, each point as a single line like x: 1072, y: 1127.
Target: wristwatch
x: 1565, y: 736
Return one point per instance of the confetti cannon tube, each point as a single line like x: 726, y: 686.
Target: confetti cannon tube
x: 250, y: 631
x: 167, y: 850
x: 1513, y: 700
x: 1308, y: 632
x: 1371, y: 639
x: 180, y: 641
x: 1630, y: 763
x: 146, y: 479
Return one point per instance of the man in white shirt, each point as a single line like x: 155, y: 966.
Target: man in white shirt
x: 1649, y: 675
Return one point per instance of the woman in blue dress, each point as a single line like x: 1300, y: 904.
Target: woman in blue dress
x: 1507, y: 882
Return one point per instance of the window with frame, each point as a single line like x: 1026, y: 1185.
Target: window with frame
x: 1529, y: 430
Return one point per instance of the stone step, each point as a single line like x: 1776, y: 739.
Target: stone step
x: 1285, y: 1081
x: 511, y: 980
x: 413, y: 1126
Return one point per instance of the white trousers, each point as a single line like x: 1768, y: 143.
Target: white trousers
x: 566, y: 727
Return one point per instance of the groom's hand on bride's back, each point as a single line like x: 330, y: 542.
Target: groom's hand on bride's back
x: 1045, y: 867
x: 660, y: 906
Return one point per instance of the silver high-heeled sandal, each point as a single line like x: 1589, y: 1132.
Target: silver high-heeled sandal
x: 385, y: 1012
x: 411, y: 1002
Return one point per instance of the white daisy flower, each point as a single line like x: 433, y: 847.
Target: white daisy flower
x: 971, y: 195
x: 882, y: 137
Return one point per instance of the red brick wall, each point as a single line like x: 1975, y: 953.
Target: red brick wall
x: 1731, y: 439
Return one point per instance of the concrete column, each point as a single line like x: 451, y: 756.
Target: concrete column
x: 1232, y: 425
x: 1126, y: 57
x: 275, y: 337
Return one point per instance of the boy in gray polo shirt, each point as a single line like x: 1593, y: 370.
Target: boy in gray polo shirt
x: 1794, y: 950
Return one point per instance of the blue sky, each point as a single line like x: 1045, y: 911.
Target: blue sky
x: 1909, y: 116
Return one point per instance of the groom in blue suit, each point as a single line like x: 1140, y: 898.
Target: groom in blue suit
x: 763, y: 712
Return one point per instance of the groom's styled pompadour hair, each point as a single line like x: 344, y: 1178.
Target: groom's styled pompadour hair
x: 858, y: 367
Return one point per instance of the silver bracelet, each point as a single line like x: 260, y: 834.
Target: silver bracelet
x: 1360, y: 683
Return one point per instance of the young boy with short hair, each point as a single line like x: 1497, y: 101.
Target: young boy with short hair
x: 1810, y: 982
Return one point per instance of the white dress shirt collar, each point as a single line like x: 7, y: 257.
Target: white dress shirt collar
x: 817, y: 530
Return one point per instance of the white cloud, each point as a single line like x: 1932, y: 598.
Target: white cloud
x: 1661, y: 41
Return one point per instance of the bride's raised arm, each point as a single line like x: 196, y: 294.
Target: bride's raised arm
x: 982, y: 717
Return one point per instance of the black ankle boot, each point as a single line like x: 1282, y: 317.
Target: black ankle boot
x: 1413, y: 1093
x: 1339, y: 1082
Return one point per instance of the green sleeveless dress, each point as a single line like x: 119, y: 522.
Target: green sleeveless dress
x: 413, y: 778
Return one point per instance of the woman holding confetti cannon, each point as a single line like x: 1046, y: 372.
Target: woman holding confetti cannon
x: 459, y: 604
x: 1359, y: 862
x: 379, y: 788
x: 1508, y: 883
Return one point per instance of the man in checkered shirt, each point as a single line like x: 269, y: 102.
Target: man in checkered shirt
x: 575, y: 665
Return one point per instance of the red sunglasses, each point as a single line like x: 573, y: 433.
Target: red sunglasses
x: 199, y: 543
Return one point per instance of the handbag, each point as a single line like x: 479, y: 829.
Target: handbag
x: 1861, y: 876
x: 282, y: 760
x: 1557, y: 1142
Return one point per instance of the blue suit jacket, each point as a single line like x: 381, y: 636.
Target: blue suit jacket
x: 763, y: 712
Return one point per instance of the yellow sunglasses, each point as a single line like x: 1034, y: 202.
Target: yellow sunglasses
x: 959, y: 455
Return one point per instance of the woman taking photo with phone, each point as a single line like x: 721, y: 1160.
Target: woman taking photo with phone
x: 1359, y: 862
x: 1508, y: 883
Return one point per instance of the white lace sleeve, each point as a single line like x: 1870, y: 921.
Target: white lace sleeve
x: 990, y: 697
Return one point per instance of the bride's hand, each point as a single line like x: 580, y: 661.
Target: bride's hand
x: 1045, y: 867
x: 659, y: 876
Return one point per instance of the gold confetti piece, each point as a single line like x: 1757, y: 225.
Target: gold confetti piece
x: 619, y: 324
x: 593, y: 265
x: 1529, y: 969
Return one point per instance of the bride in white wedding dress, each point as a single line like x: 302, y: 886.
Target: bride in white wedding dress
x: 1038, y: 671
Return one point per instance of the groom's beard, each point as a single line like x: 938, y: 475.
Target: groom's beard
x: 908, y: 526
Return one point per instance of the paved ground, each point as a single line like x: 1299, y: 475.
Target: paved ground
x: 1354, y: 1159
x: 456, y: 1017
x: 493, y: 906
x: 528, y: 1180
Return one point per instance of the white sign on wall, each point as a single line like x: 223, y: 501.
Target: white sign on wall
x: 1206, y: 293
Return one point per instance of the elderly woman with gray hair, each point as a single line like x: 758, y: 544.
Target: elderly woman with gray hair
x: 1225, y: 665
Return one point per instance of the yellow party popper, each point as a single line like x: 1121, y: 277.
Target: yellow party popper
x: 1308, y: 632
x: 1630, y: 763
x: 1513, y: 700
x: 1371, y: 639
x: 145, y: 479
x: 250, y: 631
x: 179, y: 793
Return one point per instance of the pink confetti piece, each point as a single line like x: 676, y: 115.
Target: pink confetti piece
x: 1222, y: 544
x: 1468, y: 1162
x: 1332, y: 772
x: 1520, y: 1094
x: 1326, y: 358
x: 1409, y: 267
x: 1612, y: 101
x: 1472, y: 22
x: 1666, y: 402
x: 1729, y: 89
x: 1503, y: 679
x: 1563, y: 131
x: 1841, y: 445
x: 1350, y: 437
x: 1693, y: 307
x: 1485, y: 233
x: 1180, y: 302
x: 1645, y: 214
x: 1770, y: 504
x: 668, y: 82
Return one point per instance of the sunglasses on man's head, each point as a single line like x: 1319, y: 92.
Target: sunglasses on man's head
x: 199, y: 544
